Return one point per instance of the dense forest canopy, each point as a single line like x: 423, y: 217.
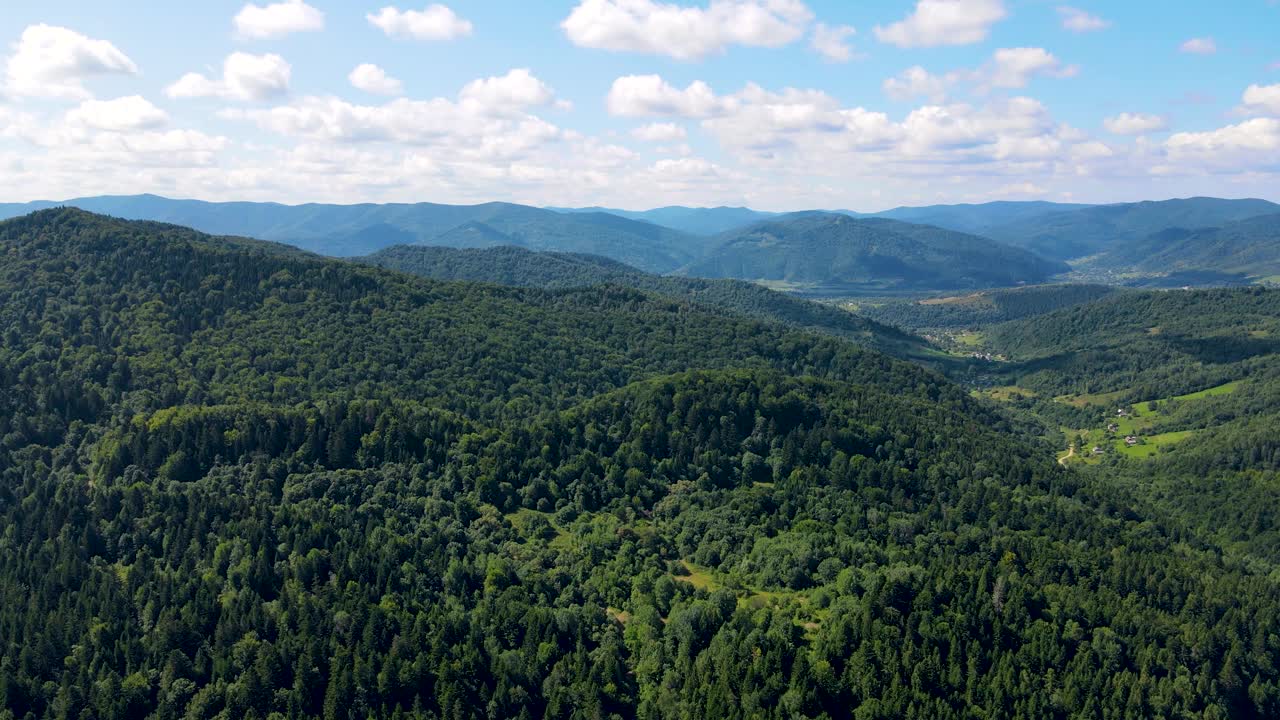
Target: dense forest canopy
x: 524, y: 268
x: 835, y: 253
x: 238, y: 481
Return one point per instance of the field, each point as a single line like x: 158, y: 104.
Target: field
x: 1137, y: 421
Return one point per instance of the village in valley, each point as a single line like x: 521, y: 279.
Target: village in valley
x: 1140, y: 431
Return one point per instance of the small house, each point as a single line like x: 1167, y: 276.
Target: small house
x: 1131, y: 440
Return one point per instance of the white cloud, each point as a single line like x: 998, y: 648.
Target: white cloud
x: 1134, y: 124
x: 50, y: 61
x: 650, y: 95
x: 1199, y: 46
x: 944, y: 22
x: 282, y: 18
x: 120, y: 115
x: 373, y: 79
x: 685, y: 33
x: 1262, y: 99
x: 1253, y: 144
x: 916, y: 82
x: 832, y: 42
x: 1014, y: 67
x: 436, y: 22
x: 486, y: 122
x: 660, y: 132
x: 244, y: 77
x: 516, y: 90
x: 1008, y: 68
x: 1077, y: 20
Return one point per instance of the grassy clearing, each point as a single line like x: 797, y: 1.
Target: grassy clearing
x: 1005, y: 393
x: 1081, y: 401
x: 1152, y: 445
x: 1144, y: 418
x: 970, y: 339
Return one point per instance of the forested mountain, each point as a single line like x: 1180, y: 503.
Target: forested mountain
x: 238, y: 481
x: 520, y: 267
x: 1151, y: 344
x: 350, y: 230
x: 1248, y: 248
x: 982, y: 308
x: 1180, y: 393
x: 832, y: 253
x: 696, y: 221
x: 1081, y: 233
x: 977, y: 219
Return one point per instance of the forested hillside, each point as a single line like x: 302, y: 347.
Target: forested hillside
x: 237, y: 481
x: 1151, y: 343
x: 982, y: 308
x: 1248, y: 248
x: 835, y: 253
x: 520, y: 267
x: 1088, y: 231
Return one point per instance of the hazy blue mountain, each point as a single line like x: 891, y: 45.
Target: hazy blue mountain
x: 697, y: 221
x: 1248, y: 248
x: 1081, y: 233
x: 827, y: 252
x: 977, y: 219
x: 351, y: 230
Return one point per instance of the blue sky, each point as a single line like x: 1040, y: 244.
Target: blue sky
x: 776, y: 104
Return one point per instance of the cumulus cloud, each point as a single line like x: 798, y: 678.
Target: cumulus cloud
x: 660, y: 132
x: 1134, y: 124
x: 1014, y: 67
x: 1262, y: 99
x: 267, y: 21
x: 515, y: 91
x: 51, y: 61
x: 245, y: 77
x: 1199, y: 46
x: 1008, y: 68
x: 685, y: 33
x: 917, y: 82
x: 1077, y: 20
x: 832, y: 42
x: 650, y: 95
x: 373, y: 79
x: 1253, y: 144
x: 120, y: 115
x: 944, y: 22
x: 436, y: 22
x: 486, y: 121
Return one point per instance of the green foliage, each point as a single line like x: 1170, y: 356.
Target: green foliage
x: 983, y: 308
x: 837, y: 254
x: 519, y: 267
x: 240, y: 483
x: 1083, y: 232
x: 1248, y: 248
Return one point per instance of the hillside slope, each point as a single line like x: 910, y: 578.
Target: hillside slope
x: 1080, y: 233
x: 519, y: 267
x: 1248, y: 248
x: 238, y: 482
x: 834, y: 253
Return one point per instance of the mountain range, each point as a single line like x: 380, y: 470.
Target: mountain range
x: 945, y: 247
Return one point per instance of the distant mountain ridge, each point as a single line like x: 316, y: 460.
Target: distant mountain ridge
x: 352, y: 230
x: 1249, y: 248
x: 827, y: 252
x: 1081, y: 233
